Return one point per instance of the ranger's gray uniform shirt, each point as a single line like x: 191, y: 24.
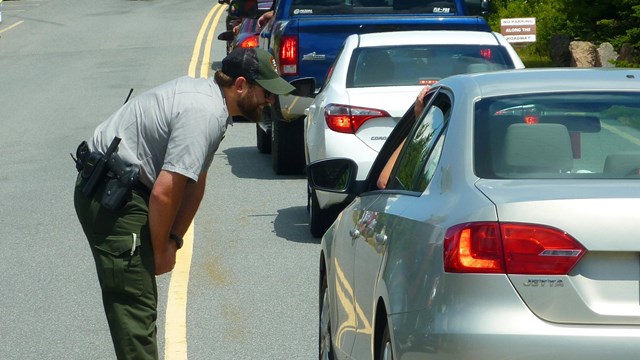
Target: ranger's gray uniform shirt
x: 176, y: 126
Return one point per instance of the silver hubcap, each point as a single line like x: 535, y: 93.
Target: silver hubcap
x: 325, y: 328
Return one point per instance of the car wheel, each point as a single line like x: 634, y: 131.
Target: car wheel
x: 287, y: 144
x: 263, y: 140
x: 325, y: 346
x: 386, y: 352
x: 319, y: 219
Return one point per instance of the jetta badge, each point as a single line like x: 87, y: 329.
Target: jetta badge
x: 313, y: 57
x: 544, y: 283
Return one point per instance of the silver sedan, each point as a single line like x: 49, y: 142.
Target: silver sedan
x: 509, y: 227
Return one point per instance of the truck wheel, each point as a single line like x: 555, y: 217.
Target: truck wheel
x: 287, y: 147
x: 263, y: 140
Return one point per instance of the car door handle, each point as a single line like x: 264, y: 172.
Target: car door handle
x: 354, y: 233
x: 381, y: 239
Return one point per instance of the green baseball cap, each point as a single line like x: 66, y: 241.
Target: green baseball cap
x: 256, y: 65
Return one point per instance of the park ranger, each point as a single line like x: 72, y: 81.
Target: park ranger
x: 142, y: 177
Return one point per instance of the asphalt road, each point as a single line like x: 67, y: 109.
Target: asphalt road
x: 248, y: 286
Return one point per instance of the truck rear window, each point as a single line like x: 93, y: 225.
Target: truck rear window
x: 421, y: 64
x: 347, y: 7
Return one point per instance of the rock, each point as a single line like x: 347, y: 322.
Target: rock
x: 628, y: 53
x: 606, y: 53
x: 560, y: 53
x: 583, y: 54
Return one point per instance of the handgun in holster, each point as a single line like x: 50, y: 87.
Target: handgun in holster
x: 93, y: 165
x: 123, y: 178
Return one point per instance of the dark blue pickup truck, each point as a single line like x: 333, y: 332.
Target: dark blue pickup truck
x: 305, y: 37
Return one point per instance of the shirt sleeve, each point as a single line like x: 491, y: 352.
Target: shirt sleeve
x: 194, y: 136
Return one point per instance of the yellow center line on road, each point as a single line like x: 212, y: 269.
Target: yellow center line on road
x: 622, y: 134
x: 203, y: 29
x: 175, y: 338
x: 206, y: 57
x: 175, y: 329
x: 12, y: 26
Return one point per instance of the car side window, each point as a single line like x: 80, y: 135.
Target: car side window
x: 421, y: 153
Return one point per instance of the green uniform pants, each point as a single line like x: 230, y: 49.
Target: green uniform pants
x: 121, y: 247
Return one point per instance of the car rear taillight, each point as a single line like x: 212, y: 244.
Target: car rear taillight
x: 348, y: 119
x: 250, y: 42
x: 289, y: 55
x: 510, y: 248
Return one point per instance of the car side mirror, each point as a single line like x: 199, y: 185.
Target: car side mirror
x: 334, y: 175
x: 244, y: 8
x: 305, y: 87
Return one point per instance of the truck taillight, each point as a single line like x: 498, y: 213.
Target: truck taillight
x: 348, y: 119
x: 289, y: 55
x: 510, y: 248
x: 250, y: 42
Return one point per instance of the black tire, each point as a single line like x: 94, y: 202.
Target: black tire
x: 287, y: 144
x: 263, y: 140
x: 385, y: 349
x: 325, y: 345
x: 319, y: 219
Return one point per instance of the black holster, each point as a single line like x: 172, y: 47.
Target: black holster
x: 118, y: 177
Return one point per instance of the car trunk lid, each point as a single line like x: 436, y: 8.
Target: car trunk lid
x: 393, y: 100
x: 603, y: 216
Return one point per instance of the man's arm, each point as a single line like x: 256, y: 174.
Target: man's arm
x: 172, y: 207
x: 166, y: 198
x: 193, y: 194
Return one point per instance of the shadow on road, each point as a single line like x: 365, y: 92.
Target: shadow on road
x: 293, y: 224
x: 247, y: 163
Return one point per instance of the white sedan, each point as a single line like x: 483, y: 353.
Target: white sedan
x: 374, y: 80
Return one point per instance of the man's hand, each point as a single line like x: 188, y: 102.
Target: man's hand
x: 166, y: 260
x: 419, y: 104
x: 264, y: 18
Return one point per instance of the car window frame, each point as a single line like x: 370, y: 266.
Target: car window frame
x: 400, y: 132
x: 441, y: 100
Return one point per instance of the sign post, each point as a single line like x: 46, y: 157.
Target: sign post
x: 518, y: 30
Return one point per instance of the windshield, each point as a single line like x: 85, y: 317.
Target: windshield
x: 561, y: 135
x: 421, y: 64
x: 344, y: 7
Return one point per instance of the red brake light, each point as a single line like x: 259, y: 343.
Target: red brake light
x: 473, y: 247
x: 510, y: 248
x: 486, y: 53
x: 348, y: 119
x: 289, y: 55
x: 250, y: 42
x: 531, y: 119
x: 427, y: 81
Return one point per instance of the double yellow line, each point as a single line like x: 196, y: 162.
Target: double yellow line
x: 205, y: 65
x: 175, y: 339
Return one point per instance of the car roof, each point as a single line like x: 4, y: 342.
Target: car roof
x: 399, y: 38
x: 540, y: 80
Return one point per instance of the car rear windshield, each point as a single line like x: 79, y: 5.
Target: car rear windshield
x: 421, y: 64
x: 558, y: 135
x: 346, y: 7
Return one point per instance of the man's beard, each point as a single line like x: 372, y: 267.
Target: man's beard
x: 249, y: 107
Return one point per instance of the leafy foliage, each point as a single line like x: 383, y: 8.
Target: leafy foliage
x: 614, y: 21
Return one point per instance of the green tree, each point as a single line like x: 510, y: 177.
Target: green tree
x: 614, y: 21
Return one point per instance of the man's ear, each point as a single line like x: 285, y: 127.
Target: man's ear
x: 241, y: 84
